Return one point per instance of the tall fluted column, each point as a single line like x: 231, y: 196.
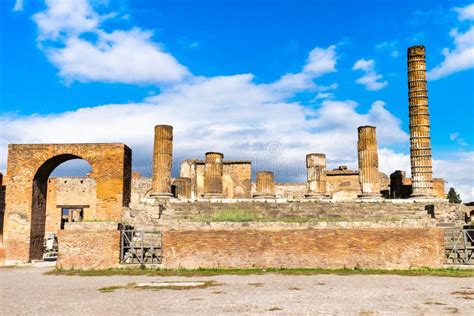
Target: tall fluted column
x: 420, y: 141
x: 369, y: 178
x: 316, y: 176
x: 213, y: 170
x: 162, y: 160
x: 265, y: 185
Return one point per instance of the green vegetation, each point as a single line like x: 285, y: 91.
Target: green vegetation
x: 113, y: 288
x: 453, y: 196
x: 245, y: 215
x: 303, y: 271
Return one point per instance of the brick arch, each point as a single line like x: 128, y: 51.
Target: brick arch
x: 28, y: 170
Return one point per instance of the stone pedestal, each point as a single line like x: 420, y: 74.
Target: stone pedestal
x: 213, y: 171
x: 420, y: 141
x: 265, y: 186
x: 162, y: 160
x: 182, y: 188
x: 369, y: 178
x: 316, y: 176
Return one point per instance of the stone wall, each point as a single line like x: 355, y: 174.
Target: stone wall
x: 89, y: 246
x: 69, y: 191
x: 388, y: 248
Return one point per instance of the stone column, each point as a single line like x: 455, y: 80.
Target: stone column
x: 162, y: 160
x: 316, y: 176
x: 420, y: 141
x: 188, y: 170
x: 213, y: 170
x: 265, y: 185
x: 368, y: 162
x: 182, y: 188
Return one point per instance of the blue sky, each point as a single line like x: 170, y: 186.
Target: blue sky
x: 239, y: 77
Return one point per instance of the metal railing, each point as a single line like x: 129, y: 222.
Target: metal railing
x: 459, y: 246
x: 140, y: 246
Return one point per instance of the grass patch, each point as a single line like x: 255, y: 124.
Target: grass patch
x: 113, y: 288
x: 303, y: 271
x: 241, y: 215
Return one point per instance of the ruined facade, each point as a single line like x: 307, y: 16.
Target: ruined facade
x: 28, y: 169
x: 286, y: 224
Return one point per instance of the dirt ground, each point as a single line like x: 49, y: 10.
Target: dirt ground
x: 29, y: 291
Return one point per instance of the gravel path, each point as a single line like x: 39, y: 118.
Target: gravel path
x: 29, y: 291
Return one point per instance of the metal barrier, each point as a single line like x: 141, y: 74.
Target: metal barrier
x: 459, y: 246
x: 140, y: 246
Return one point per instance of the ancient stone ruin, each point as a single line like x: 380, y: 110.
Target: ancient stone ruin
x: 214, y: 215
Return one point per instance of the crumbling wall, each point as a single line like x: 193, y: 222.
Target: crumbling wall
x: 89, y: 246
x: 333, y: 248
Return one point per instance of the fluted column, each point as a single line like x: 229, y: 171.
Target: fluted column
x: 182, y: 188
x: 316, y: 176
x: 162, y: 160
x: 213, y: 170
x: 369, y: 178
x: 420, y: 141
x: 265, y: 185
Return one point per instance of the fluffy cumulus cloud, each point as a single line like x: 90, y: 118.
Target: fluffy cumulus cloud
x: 461, y: 56
x: 371, y: 79
x: 70, y: 33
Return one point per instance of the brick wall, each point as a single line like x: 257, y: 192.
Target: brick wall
x: 88, y: 249
x: 388, y: 248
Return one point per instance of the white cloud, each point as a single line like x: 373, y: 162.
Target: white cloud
x: 461, y: 56
x: 455, y: 138
x: 371, y: 78
x: 320, y: 61
x: 391, y: 46
x: 231, y: 114
x: 457, y: 170
x: 70, y: 35
x: 18, y: 5
x: 466, y: 13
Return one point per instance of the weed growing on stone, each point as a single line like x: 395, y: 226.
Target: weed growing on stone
x: 303, y: 271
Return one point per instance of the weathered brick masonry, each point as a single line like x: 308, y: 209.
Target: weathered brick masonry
x: 387, y: 248
x: 88, y: 248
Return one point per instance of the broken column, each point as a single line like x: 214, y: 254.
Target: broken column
x: 188, y: 169
x: 182, y: 188
x: 162, y: 160
x: 213, y: 170
x: 265, y: 185
x: 420, y: 142
x: 368, y: 162
x: 316, y: 176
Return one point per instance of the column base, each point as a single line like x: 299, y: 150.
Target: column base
x: 317, y: 196
x: 212, y: 196
x: 366, y: 197
x: 263, y: 196
x: 162, y: 195
x: 422, y: 197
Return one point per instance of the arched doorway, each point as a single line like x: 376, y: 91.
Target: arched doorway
x: 28, y: 170
x: 39, y: 202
